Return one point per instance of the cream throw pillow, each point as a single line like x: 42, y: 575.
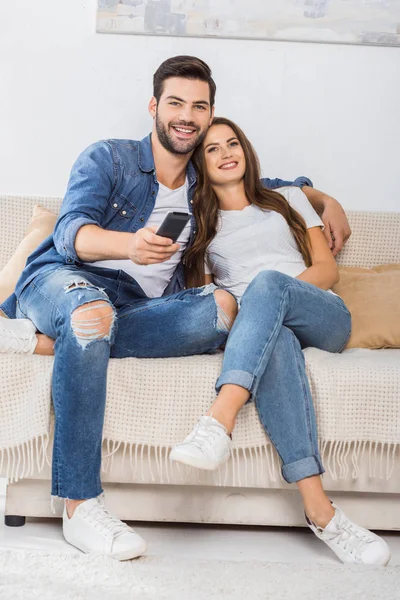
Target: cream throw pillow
x: 40, y: 227
x: 373, y: 298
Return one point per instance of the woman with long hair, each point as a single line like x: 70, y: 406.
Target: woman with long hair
x: 268, y: 250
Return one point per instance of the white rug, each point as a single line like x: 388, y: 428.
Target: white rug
x: 37, y: 575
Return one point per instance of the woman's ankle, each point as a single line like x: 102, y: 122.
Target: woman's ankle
x: 321, y: 513
x: 317, y: 505
x: 227, y: 405
x: 225, y: 420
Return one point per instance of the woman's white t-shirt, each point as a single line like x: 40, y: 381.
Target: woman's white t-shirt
x: 252, y: 240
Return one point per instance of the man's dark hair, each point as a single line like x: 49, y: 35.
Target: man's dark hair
x: 188, y: 67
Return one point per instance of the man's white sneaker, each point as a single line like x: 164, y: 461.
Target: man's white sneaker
x: 207, y: 447
x: 350, y: 542
x: 17, y: 336
x: 93, y: 530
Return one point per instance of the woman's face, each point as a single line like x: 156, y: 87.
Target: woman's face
x: 224, y: 156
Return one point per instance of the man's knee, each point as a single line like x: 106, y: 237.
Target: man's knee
x: 93, y: 321
x: 227, y: 309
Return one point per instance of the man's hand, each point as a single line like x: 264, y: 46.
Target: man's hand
x: 147, y: 248
x: 337, y: 229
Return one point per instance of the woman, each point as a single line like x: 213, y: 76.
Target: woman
x: 269, y: 251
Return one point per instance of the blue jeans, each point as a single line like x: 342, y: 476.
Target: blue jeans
x: 183, y: 324
x: 279, y: 316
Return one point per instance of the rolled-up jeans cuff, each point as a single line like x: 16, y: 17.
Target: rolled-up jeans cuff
x: 242, y: 378
x: 300, y: 469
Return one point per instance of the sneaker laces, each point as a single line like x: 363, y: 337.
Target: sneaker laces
x: 20, y: 343
x: 99, y: 516
x: 14, y: 342
x: 349, y: 536
x: 205, y: 433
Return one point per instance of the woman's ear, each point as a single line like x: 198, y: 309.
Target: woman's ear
x: 153, y: 107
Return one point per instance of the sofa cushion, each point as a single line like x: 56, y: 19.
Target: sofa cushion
x: 40, y: 227
x: 372, y: 296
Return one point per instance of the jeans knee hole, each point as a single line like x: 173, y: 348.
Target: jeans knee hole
x: 94, y: 327
x: 224, y: 322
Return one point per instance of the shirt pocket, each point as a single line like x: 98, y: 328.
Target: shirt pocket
x: 120, y: 214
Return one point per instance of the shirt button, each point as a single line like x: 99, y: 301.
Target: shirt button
x: 142, y: 219
x: 115, y: 205
x: 152, y: 193
x: 191, y: 202
x: 123, y: 212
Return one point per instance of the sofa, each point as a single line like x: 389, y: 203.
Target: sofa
x: 154, y: 403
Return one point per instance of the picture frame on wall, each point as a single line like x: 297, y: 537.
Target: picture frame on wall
x: 373, y: 22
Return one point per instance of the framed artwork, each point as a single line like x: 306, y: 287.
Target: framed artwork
x: 374, y: 22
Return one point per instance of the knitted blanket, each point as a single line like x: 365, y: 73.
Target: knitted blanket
x: 153, y: 403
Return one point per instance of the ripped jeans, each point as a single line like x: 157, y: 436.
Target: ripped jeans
x: 182, y: 324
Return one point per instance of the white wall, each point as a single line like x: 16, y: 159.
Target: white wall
x: 329, y: 112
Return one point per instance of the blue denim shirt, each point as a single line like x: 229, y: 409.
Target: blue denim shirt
x: 113, y: 184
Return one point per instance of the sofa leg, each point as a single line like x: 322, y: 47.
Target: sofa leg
x: 14, y: 521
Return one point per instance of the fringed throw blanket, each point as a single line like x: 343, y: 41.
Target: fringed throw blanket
x: 154, y: 403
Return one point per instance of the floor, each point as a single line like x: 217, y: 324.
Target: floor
x: 271, y: 544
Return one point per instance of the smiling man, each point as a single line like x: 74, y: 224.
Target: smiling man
x: 180, y: 135
x: 104, y: 285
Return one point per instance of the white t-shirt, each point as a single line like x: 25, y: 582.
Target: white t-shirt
x: 153, y: 279
x: 252, y: 240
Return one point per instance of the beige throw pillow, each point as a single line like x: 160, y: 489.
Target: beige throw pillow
x: 373, y: 298
x: 40, y: 227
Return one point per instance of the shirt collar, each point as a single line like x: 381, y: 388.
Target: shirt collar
x: 146, y: 160
x: 145, y: 155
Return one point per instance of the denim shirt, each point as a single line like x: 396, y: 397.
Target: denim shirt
x: 113, y: 184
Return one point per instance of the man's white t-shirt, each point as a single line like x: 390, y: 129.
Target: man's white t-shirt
x: 153, y: 279
x: 252, y: 240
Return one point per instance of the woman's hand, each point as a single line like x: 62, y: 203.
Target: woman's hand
x: 323, y: 272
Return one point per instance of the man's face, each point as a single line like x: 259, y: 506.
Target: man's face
x: 183, y: 114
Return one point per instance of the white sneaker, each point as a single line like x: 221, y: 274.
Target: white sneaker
x: 17, y: 336
x: 207, y: 447
x: 350, y: 542
x: 93, y: 530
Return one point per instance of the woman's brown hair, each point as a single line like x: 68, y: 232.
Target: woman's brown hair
x: 205, y: 207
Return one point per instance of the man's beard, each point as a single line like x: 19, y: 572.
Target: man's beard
x: 175, y: 146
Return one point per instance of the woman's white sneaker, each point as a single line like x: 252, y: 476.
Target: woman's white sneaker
x: 17, y: 336
x: 93, y: 530
x: 207, y: 447
x: 350, y: 542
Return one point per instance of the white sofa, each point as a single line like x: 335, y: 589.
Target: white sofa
x: 152, y: 404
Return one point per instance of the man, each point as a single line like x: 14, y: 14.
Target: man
x: 104, y: 285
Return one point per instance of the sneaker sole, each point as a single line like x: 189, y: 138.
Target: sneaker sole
x: 358, y: 564
x: 198, y: 463
x: 126, y: 555
x: 385, y: 563
x: 342, y: 557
